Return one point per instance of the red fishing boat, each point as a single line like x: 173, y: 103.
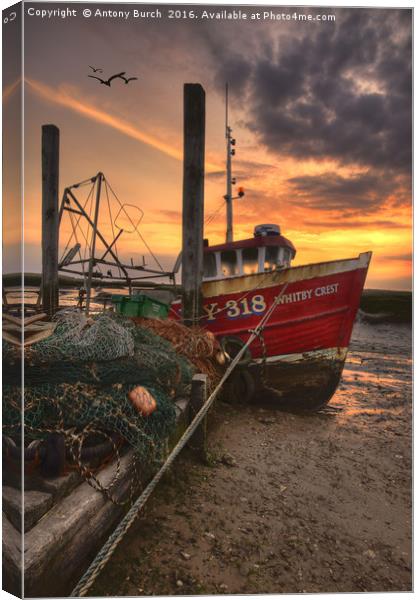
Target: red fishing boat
x: 300, y: 354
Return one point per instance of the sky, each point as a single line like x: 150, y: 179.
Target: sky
x: 321, y: 112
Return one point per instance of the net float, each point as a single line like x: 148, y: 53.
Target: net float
x: 142, y: 400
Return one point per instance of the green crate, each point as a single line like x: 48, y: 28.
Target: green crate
x: 117, y: 300
x: 141, y: 306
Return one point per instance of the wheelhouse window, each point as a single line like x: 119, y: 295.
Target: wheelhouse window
x: 229, y: 264
x: 250, y: 259
x: 210, y: 265
x: 287, y: 257
x: 271, y: 257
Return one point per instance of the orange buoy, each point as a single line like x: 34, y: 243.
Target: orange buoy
x: 142, y: 400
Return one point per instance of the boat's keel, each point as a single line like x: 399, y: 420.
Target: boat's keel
x: 298, y: 382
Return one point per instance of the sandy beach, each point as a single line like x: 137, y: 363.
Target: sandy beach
x: 288, y: 503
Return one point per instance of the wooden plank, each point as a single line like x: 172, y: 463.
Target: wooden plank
x: 59, y: 487
x: 12, y: 505
x: 36, y: 505
x: 62, y: 544
x: 11, y: 557
x: 12, y: 327
x: 12, y: 319
x: 37, y: 337
x: 193, y: 201
x: 69, y: 534
x: 198, y: 441
x: 35, y: 327
x: 33, y: 318
x: 12, y: 339
x: 50, y: 175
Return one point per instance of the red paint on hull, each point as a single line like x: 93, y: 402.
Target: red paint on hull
x: 315, y: 313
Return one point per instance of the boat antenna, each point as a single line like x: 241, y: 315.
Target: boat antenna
x: 226, y: 107
x: 230, y: 181
x: 228, y: 196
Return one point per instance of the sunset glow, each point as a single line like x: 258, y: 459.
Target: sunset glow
x: 67, y: 99
x: 322, y: 146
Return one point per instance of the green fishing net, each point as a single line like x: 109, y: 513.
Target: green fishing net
x: 80, y: 376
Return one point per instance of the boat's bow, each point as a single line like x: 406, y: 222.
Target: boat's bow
x: 302, y: 349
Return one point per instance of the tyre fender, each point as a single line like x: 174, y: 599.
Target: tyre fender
x: 231, y: 346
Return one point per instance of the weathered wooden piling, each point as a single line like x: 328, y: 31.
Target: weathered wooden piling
x: 198, y: 441
x: 99, y: 179
x: 50, y: 182
x: 193, y: 201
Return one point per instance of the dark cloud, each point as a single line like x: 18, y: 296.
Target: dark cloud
x: 360, y: 193
x: 355, y: 224
x: 243, y: 169
x: 237, y: 72
x: 397, y: 283
x: 168, y: 216
x: 402, y: 257
x: 215, y: 175
x: 338, y: 90
x: 341, y: 90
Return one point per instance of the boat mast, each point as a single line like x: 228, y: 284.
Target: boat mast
x: 229, y: 195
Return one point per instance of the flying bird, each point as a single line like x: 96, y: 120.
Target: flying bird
x: 108, y: 81
x: 127, y: 80
x: 96, y: 70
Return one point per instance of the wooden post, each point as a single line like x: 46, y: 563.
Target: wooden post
x: 99, y: 178
x: 198, y: 441
x: 193, y: 201
x: 50, y: 176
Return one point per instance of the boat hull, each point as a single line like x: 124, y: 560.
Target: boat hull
x: 301, y: 351
x: 305, y: 381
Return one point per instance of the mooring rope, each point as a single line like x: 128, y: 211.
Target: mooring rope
x: 112, y: 542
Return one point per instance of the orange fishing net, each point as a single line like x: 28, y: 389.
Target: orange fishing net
x: 199, y: 346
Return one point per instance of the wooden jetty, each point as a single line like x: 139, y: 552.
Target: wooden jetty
x: 65, y: 522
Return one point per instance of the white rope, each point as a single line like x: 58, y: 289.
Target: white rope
x: 110, y: 545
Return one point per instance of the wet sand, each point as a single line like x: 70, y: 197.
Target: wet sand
x: 288, y: 503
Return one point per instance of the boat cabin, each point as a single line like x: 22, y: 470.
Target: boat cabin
x: 266, y: 251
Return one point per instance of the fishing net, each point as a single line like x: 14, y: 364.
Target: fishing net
x: 63, y: 407
x: 199, y: 346
x: 79, y: 338
x: 78, y: 380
